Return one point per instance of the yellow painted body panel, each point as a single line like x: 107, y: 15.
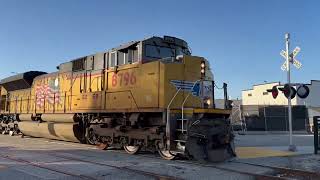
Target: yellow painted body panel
x: 188, y: 70
x: 131, y: 87
x: 19, y: 101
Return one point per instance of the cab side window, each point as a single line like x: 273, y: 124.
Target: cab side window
x: 113, y: 59
x: 123, y: 56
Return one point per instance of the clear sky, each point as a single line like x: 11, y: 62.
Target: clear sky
x: 241, y: 38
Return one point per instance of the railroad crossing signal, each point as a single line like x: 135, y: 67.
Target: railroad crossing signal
x: 292, y: 59
x: 301, y: 91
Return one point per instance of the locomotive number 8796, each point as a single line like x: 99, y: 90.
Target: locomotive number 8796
x: 150, y: 94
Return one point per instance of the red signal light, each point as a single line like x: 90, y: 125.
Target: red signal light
x: 274, y: 91
x: 289, y: 91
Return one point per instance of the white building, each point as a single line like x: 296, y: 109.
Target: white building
x: 258, y: 95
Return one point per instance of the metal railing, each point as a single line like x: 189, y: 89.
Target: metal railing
x: 168, y: 128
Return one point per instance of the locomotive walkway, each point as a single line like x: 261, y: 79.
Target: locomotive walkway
x: 37, y: 158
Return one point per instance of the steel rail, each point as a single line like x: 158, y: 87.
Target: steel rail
x: 44, y: 167
x: 288, y: 172
x: 141, y: 172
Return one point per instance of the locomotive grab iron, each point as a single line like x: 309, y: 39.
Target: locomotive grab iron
x: 149, y: 94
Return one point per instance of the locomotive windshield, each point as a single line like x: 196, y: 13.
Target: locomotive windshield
x: 155, y: 51
x: 156, y: 48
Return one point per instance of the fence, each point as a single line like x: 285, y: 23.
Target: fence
x: 316, y: 124
x: 270, y: 118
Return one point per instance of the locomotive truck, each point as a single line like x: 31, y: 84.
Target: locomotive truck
x: 150, y: 94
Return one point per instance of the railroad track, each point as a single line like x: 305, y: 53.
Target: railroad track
x: 278, y: 173
x: 19, y: 160
x: 140, y: 172
x: 289, y: 172
x: 254, y: 175
x: 145, y: 173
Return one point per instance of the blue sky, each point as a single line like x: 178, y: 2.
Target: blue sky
x: 241, y: 38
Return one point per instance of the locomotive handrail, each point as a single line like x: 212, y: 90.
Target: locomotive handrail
x: 168, y: 111
x: 168, y: 117
x: 182, y: 106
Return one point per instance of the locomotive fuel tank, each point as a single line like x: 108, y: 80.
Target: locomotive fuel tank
x: 51, y: 130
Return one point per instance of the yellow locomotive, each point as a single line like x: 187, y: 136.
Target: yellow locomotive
x: 149, y: 94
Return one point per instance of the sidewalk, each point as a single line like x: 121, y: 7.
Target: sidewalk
x: 271, y: 151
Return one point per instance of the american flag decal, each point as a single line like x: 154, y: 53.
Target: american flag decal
x: 47, y: 93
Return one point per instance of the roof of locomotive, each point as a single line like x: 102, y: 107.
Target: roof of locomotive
x: 20, y: 81
x: 165, y: 39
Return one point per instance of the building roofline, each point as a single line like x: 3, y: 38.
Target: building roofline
x: 260, y: 85
x: 313, y: 80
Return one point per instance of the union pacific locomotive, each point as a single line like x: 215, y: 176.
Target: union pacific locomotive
x: 150, y: 95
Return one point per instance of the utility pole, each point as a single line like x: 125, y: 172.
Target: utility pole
x: 292, y: 147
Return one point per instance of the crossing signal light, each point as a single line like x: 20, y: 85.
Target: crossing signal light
x: 274, y: 91
x: 303, y: 91
x: 288, y: 91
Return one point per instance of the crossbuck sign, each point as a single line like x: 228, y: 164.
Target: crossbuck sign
x: 292, y: 59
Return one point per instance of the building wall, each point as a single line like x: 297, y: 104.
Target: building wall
x: 258, y: 95
x: 313, y: 100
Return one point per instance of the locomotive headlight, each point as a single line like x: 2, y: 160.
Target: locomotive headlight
x: 208, y: 101
x: 202, y: 65
x: 203, y: 69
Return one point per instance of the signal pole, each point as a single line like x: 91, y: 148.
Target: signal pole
x: 292, y: 147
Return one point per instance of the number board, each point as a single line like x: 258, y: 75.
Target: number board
x: 124, y: 79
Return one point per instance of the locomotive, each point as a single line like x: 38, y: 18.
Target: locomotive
x: 150, y: 94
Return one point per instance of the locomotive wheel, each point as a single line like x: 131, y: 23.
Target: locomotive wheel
x: 131, y: 149
x: 11, y: 133
x: 102, y: 146
x: 91, y: 137
x: 165, y: 154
